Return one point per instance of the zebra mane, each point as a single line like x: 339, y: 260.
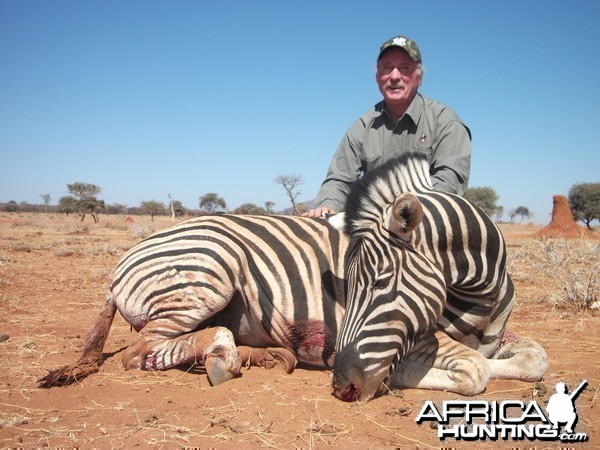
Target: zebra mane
x: 371, y: 194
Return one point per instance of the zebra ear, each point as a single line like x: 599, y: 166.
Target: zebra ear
x: 407, y: 214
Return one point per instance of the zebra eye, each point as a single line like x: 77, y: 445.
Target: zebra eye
x: 383, y: 281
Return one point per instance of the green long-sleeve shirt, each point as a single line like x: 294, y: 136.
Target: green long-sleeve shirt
x: 427, y: 126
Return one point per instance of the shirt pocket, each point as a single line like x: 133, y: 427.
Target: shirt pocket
x: 422, y: 143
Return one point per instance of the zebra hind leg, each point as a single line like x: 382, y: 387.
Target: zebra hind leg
x: 214, y: 347
x: 519, y: 359
x: 439, y: 362
x: 92, y: 356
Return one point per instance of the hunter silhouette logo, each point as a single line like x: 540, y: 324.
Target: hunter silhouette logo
x: 561, y: 407
x: 471, y: 420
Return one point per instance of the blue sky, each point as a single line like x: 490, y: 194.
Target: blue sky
x: 146, y: 98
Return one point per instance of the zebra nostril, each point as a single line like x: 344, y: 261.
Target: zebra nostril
x: 351, y: 393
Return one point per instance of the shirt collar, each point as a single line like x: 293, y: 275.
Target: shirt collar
x: 414, y: 111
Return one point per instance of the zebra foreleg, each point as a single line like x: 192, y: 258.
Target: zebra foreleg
x: 157, y: 350
x: 519, y: 359
x: 268, y: 357
x: 438, y: 362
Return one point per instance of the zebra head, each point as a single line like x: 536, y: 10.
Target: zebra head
x: 394, y: 295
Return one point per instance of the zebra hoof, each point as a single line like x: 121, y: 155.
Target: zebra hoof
x: 280, y: 356
x: 222, y: 364
x: 219, y: 371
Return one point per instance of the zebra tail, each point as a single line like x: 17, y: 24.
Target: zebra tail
x: 92, y: 357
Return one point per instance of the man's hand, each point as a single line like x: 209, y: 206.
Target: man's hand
x: 318, y: 212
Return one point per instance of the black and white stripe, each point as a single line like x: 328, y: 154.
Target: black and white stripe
x: 415, y: 282
x: 284, y: 271
x: 448, y: 274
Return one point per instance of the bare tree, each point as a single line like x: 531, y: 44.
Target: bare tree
x: 290, y: 184
x: 152, y: 208
x: 171, y: 208
x: 46, y: 198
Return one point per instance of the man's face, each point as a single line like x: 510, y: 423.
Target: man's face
x: 397, y: 77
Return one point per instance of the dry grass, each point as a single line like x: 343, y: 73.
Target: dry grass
x: 53, y: 276
x: 570, y: 270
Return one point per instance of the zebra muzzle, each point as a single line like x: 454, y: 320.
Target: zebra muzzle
x: 351, y: 393
x: 360, y: 392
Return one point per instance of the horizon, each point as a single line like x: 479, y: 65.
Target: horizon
x: 146, y: 98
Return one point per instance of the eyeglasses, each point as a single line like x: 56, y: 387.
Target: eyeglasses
x: 405, y: 70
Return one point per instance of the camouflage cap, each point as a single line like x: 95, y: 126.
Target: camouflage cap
x: 404, y: 43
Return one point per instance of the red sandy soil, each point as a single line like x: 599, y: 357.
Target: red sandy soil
x: 54, y: 272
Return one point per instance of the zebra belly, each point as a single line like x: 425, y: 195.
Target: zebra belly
x: 314, y: 343
x: 245, y: 325
x: 311, y: 341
